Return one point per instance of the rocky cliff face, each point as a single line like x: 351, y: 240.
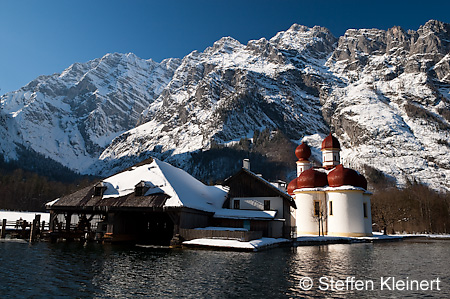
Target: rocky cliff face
x: 393, y: 111
x: 385, y: 94
x: 71, y: 117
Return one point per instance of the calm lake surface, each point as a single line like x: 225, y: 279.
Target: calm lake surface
x: 72, y: 270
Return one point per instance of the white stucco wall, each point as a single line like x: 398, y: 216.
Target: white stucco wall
x: 368, y: 220
x: 330, y: 157
x: 302, y: 166
x: 304, y: 216
x: 348, y: 213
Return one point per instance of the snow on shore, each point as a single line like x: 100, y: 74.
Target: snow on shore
x: 253, y: 245
x: 28, y: 216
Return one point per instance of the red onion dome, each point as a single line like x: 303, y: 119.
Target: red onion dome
x: 303, y: 152
x: 292, y: 186
x: 311, y: 178
x: 330, y: 142
x: 341, y: 176
x: 362, y: 182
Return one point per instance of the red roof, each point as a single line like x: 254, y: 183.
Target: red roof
x: 330, y: 142
x: 341, y: 176
x: 303, y: 152
x: 312, y: 178
x: 292, y: 186
x: 362, y: 182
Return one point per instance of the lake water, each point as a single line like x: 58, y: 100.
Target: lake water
x: 73, y: 270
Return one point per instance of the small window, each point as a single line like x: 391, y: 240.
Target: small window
x: 237, y: 204
x: 317, y: 208
x: 98, y: 190
x: 331, y: 208
x: 139, y: 191
x: 365, y: 209
x: 266, y: 205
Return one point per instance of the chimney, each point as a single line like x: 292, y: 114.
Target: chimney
x: 246, y: 164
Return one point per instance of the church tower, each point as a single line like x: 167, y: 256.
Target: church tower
x: 303, y: 152
x: 330, y: 152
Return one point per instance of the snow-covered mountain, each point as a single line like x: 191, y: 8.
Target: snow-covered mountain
x: 385, y: 94
x: 73, y: 116
x: 393, y: 112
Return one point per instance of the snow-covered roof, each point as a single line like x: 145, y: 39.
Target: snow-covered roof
x: 184, y: 190
x: 244, y: 214
x: 172, y: 186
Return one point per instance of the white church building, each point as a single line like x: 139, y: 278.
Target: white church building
x: 331, y: 200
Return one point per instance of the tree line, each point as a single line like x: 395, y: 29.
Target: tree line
x: 415, y: 208
x: 28, y: 191
x: 270, y: 153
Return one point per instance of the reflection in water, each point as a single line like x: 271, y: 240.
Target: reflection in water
x: 326, y: 264
x: 97, y: 271
x: 369, y: 263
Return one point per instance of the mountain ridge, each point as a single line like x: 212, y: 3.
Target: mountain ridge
x: 385, y: 94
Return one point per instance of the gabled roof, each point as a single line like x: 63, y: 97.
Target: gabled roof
x: 168, y: 186
x: 258, y: 188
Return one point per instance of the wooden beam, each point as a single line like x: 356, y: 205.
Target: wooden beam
x: 3, y: 232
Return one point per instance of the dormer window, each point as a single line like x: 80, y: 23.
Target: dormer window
x: 140, y: 189
x: 99, y: 189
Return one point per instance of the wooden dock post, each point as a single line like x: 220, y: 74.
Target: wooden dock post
x: 35, y: 226
x: 32, y: 230
x: 38, y: 223
x: 3, y: 232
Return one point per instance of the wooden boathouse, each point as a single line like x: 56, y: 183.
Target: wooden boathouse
x: 148, y: 203
x: 156, y: 203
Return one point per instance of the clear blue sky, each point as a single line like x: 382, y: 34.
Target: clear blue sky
x: 45, y: 37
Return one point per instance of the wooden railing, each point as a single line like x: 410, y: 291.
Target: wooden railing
x: 22, y: 228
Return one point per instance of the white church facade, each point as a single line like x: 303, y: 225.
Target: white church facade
x: 331, y: 200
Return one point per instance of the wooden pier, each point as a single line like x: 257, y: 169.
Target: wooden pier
x: 22, y: 229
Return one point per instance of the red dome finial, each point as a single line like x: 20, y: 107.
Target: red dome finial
x: 303, y: 152
x: 331, y: 142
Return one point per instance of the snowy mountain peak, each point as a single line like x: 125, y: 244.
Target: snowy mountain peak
x: 385, y: 94
x: 72, y: 116
x: 317, y: 41
x: 224, y: 45
x: 434, y: 26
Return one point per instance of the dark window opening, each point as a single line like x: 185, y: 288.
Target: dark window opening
x: 98, y: 191
x: 266, y: 205
x: 139, y: 191
x: 316, y: 208
x: 365, y: 210
x: 237, y: 204
x: 331, y: 208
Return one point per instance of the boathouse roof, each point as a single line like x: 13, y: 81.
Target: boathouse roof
x: 163, y: 184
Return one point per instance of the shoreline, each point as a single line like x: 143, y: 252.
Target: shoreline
x: 306, y: 240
